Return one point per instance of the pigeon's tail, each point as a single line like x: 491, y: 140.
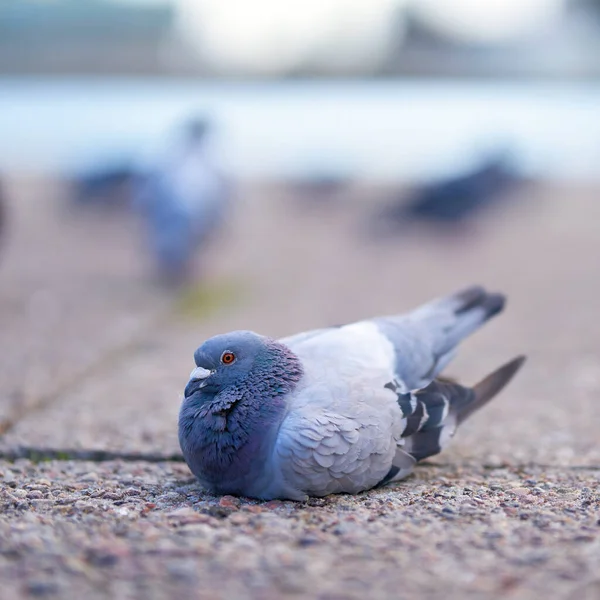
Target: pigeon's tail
x: 451, y: 319
x: 489, y: 387
x: 463, y: 312
x: 445, y: 404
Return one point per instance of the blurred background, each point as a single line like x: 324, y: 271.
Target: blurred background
x: 189, y: 166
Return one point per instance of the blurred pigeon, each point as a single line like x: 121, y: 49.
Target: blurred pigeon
x: 104, y: 185
x: 454, y: 201
x: 183, y: 200
x: 341, y: 409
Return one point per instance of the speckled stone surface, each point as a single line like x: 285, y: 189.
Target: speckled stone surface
x: 95, y: 358
x: 124, y: 530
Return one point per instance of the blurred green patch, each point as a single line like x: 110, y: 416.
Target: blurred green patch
x: 198, y: 301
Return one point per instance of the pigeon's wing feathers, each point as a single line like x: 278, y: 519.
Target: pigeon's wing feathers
x: 333, y: 453
x: 402, y: 466
x: 343, y: 423
x: 359, y: 354
x: 425, y: 339
x: 438, y: 406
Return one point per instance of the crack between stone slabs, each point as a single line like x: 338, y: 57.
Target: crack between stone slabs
x: 106, y: 361
x: 82, y: 455
x: 47, y: 454
x: 45, y: 400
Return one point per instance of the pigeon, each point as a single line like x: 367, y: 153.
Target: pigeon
x: 104, y: 185
x: 335, y: 410
x: 183, y: 199
x: 457, y: 200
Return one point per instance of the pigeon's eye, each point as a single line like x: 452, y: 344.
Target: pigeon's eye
x: 227, y: 358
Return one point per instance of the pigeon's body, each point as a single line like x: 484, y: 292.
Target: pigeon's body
x: 333, y: 410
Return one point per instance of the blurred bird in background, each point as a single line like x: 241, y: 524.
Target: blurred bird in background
x: 453, y: 202
x: 183, y: 199
x: 180, y: 195
x: 105, y: 185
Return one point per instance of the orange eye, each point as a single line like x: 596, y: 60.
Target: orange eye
x: 227, y: 358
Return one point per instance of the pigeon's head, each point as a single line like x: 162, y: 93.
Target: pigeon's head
x: 234, y: 402
x: 240, y: 360
x: 224, y: 361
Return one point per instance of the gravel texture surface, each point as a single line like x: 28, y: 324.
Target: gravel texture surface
x: 120, y: 530
x: 95, y: 358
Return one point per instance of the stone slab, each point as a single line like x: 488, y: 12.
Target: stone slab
x: 138, y: 530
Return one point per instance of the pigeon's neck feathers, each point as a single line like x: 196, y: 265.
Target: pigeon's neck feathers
x: 275, y: 372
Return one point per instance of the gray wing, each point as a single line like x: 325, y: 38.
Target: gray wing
x: 343, y: 426
x: 323, y: 452
x: 425, y: 340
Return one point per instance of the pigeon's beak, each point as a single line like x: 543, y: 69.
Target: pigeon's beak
x: 197, y: 380
x: 199, y: 373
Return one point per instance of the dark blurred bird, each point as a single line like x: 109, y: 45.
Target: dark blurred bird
x: 454, y: 201
x: 104, y: 186
x: 183, y: 200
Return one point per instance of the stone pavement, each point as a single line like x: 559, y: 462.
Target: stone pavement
x: 95, y: 359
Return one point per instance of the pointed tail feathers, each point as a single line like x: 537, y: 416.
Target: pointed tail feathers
x: 453, y: 318
x: 472, y: 307
x: 476, y: 297
x: 490, y: 386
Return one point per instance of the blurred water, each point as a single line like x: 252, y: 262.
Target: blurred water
x: 386, y: 130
